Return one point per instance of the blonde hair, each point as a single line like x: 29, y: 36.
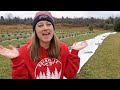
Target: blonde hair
x: 34, y: 48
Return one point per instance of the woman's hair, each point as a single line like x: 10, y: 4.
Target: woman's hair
x: 34, y: 48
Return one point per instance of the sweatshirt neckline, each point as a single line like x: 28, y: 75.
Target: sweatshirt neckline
x: 43, y: 48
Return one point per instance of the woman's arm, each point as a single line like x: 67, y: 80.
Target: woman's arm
x: 19, y: 70
x: 72, y: 64
x: 73, y: 61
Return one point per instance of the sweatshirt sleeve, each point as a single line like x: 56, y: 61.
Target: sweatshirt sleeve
x: 72, y: 64
x: 19, y: 70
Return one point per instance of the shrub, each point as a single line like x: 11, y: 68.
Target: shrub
x: 117, y: 24
x: 3, y: 35
x: 91, y: 28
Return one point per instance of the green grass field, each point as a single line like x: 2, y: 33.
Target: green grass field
x: 105, y: 63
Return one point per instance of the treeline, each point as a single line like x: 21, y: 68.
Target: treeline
x: 95, y: 22
x: 15, y: 20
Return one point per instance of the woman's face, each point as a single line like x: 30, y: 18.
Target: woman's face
x: 44, y: 31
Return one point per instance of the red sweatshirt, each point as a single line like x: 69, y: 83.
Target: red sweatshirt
x: 46, y: 68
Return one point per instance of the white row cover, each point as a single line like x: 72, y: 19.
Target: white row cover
x: 88, y: 51
x: 93, y: 44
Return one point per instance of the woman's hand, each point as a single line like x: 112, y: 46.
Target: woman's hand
x: 9, y: 53
x: 79, y: 46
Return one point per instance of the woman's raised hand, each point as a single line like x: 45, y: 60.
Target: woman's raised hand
x: 12, y: 52
x: 79, y: 46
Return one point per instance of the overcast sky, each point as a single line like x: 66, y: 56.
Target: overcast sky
x: 59, y: 14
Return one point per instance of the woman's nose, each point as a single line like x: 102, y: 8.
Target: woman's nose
x: 45, y: 27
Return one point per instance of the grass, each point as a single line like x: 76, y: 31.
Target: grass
x: 105, y: 63
x: 5, y: 68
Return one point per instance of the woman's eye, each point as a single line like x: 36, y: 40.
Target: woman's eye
x: 40, y: 25
x: 49, y: 24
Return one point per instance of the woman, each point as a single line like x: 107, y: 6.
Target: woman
x: 44, y: 57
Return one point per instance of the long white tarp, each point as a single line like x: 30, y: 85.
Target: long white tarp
x: 88, y: 51
x: 93, y: 44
